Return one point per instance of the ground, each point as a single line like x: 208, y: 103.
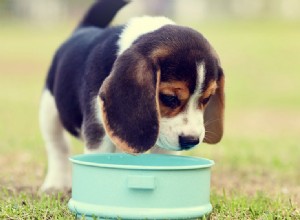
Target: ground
x: 256, y: 173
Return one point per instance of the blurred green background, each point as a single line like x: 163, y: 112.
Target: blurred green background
x: 258, y: 43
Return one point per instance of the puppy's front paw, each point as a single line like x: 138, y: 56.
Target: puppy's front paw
x: 53, y: 185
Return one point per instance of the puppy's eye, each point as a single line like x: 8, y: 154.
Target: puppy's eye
x: 205, y: 100
x: 170, y: 101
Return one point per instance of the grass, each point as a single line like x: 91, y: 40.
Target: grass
x: 31, y: 206
x: 256, y: 175
x: 44, y: 207
x: 257, y: 207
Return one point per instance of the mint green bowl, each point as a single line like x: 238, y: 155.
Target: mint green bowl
x: 148, y: 186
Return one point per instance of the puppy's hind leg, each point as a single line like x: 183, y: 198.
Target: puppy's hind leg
x: 58, y: 177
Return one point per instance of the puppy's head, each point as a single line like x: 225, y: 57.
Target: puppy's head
x: 165, y: 89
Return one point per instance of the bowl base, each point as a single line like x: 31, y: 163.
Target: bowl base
x: 92, y: 212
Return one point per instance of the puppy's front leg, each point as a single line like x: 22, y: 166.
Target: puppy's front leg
x: 104, y: 146
x: 95, y: 139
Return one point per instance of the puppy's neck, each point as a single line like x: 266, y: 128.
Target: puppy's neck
x: 139, y: 26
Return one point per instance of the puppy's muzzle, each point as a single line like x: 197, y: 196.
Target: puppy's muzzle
x: 187, y: 142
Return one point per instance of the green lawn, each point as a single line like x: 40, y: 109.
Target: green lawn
x: 256, y: 175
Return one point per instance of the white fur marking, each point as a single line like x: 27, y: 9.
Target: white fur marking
x: 97, y: 109
x: 57, y: 146
x: 200, y: 78
x: 187, y: 123
x: 158, y: 150
x: 139, y: 26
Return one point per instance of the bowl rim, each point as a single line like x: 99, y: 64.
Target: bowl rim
x: 78, y: 159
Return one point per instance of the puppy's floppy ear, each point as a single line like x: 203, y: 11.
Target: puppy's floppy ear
x: 129, y: 105
x: 214, y: 112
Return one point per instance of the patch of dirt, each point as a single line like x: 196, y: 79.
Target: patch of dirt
x: 269, y: 122
x: 20, y: 171
x: 246, y: 184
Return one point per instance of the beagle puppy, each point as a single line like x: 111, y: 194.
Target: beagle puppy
x: 147, y: 83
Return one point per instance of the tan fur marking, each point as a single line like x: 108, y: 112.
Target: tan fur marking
x: 214, y: 115
x: 160, y: 52
x: 168, y: 112
x: 158, y: 74
x: 117, y: 141
x: 140, y: 77
x: 211, y: 89
x: 178, y: 88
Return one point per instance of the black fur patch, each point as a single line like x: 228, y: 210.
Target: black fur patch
x: 77, y: 72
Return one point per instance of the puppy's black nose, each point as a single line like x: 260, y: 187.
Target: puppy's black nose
x: 187, y: 142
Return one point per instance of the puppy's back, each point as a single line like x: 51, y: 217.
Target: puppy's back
x: 92, y: 44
